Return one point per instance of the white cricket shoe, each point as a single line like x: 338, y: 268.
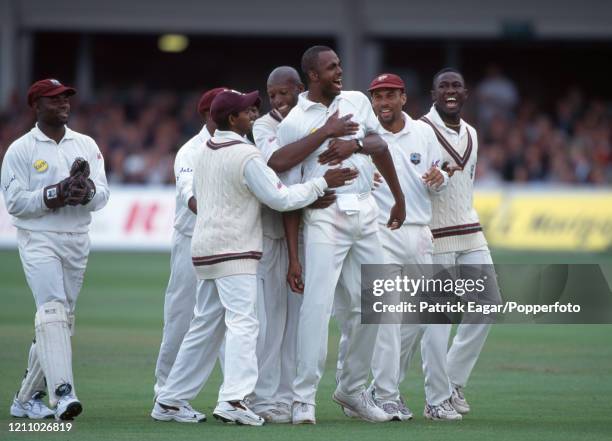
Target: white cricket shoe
x: 181, y: 414
x: 404, y: 412
x: 388, y: 406
x: 237, y: 412
x: 34, y: 408
x: 458, y: 400
x: 67, y: 408
x: 442, y: 412
x: 279, y: 414
x: 363, y: 405
x: 303, y: 413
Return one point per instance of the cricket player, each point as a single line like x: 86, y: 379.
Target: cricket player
x: 417, y: 159
x: 343, y: 235
x: 230, y: 180
x: 458, y: 236
x: 52, y: 179
x: 278, y: 307
x: 180, y: 294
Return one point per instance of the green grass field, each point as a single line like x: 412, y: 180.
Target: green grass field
x: 536, y: 382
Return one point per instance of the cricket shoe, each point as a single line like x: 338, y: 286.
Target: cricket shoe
x: 442, y: 412
x: 33, y: 408
x: 279, y: 414
x: 181, y: 414
x: 404, y: 412
x: 237, y: 412
x: 67, y: 408
x: 363, y: 405
x: 303, y: 413
x: 458, y: 400
x: 388, y: 406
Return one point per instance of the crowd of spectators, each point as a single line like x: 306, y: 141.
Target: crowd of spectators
x: 140, y: 130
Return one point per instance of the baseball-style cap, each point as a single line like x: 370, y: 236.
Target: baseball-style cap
x: 386, y: 81
x: 48, y: 87
x: 232, y: 101
x: 207, y: 99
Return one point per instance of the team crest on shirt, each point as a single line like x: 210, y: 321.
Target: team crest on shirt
x: 415, y: 158
x: 40, y: 165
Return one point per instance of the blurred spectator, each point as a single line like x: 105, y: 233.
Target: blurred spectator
x: 139, y: 130
x: 496, y: 96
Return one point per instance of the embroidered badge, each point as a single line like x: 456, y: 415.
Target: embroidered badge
x: 415, y: 158
x: 40, y: 165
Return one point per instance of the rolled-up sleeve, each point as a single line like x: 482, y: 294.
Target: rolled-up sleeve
x: 20, y: 201
x: 269, y: 189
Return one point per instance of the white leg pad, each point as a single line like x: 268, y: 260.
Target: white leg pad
x: 54, y: 350
x: 34, y: 380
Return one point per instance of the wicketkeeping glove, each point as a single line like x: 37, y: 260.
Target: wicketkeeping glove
x: 57, y: 195
x: 80, y: 167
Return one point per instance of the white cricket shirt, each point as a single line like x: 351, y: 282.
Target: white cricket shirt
x: 308, y: 116
x: 34, y: 162
x: 414, y: 150
x: 184, y: 218
x: 266, y: 140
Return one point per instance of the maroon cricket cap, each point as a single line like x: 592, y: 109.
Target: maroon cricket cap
x: 48, y: 87
x: 386, y: 81
x: 207, y: 99
x: 231, y: 101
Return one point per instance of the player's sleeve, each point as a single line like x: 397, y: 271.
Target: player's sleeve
x: 266, y: 139
x: 19, y: 200
x: 183, y: 172
x: 98, y: 176
x: 267, y: 187
x: 369, y: 120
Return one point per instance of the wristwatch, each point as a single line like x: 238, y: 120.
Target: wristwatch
x: 359, y: 145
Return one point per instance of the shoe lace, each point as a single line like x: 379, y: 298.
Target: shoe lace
x: 447, y: 406
x: 459, y: 392
x: 367, y: 399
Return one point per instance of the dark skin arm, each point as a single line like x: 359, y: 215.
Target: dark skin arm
x: 291, y: 222
x: 292, y: 154
x: 193, y: 205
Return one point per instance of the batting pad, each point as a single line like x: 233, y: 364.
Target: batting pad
x: 34, y: 380
x: 53, y: 348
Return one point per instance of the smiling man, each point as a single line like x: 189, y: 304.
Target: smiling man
x: 417, y: 157
x: 278, y: 307
x: 458, y: 236
x: 52, y: 179
x: 340, y: 238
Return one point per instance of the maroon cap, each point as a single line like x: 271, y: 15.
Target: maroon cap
x: 48, y: 87
x: 386, y: 81
x: 207, y: 99
x: 232, y: 101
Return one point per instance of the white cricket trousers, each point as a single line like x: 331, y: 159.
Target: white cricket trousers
x: 410, y: 245
x: 470, y: 338
x: 334, y: 239
x: 272, y: 296
x: 54, y: 265
x: 179, y: 302
x: 225, y: 307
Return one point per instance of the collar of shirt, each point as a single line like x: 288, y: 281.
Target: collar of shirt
x: 40, y: 136
x: 204, y: 134
x: 228, y: 134
x: 405, y: 130
x: 435, y: 118
x: 304, y: 103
